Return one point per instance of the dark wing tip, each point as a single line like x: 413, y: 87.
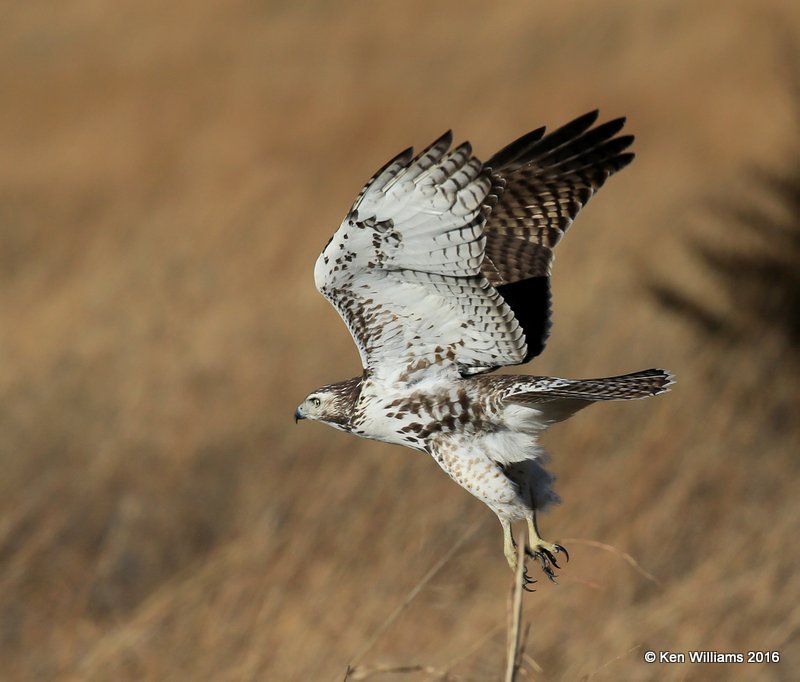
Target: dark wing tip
x: 464, y: 148
x: 536, y: 144
x: 516, y: 149
x: 445, y: 140
x: 612, y: 127
x: 623, y: 142
x: 577, y: 125
x: 441, y: 144
x: 403, y: 157
x: 586, y: 119
x: 571, y: 135
x: 406, y: 155
x: 624, y: 159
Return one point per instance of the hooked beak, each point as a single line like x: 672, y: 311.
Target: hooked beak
x: 298, y: 415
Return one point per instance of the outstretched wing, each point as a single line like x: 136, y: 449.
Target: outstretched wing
x: 542, y: 183
x: 443, y: 263
x: 403, y: 269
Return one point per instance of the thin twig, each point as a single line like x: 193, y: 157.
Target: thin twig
x: 515, y: 616
x: 405, y: 603
x: 624, y: 555
x: 531, y: 661
x: 365, y: 672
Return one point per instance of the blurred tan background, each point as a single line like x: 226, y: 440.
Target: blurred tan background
x: 169, y: 173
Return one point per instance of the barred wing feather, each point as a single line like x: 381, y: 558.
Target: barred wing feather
x: 403, y: 269
x: 542, y: 183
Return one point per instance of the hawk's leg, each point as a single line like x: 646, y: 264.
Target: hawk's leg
x: 510, y: 550
x: 509, y: 546
x: 544, y: 551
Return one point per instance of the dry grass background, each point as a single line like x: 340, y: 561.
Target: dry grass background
x: 169, y: 173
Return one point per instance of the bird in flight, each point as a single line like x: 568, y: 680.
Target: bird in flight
x: 441, y: 272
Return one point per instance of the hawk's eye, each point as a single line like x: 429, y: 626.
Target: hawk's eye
x: 316, y: 402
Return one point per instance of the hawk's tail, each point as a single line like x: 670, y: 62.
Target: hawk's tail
x: 642, y: 384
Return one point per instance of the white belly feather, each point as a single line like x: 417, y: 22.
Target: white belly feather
x: 486, y: 445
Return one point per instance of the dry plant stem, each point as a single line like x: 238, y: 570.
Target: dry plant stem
x: 365, y: 672
x: 405, y: 603
x: 515, y: 616
x: 610, y: 548
x: 532, y: 663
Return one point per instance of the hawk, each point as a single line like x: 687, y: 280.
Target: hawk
x: 441, y: 272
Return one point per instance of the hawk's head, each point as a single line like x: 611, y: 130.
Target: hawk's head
x: 318, y: 405
x: 332, y: 404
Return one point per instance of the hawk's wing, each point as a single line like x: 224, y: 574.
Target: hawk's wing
x: 542, y: 182
x: 431, y: 272
x: 403, y: 269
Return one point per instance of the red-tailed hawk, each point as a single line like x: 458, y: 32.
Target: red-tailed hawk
x: 441, y: 271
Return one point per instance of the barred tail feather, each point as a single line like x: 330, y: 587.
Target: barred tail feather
x: 641, y: 384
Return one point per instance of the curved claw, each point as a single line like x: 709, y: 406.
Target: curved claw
x: 550, y: 557
x: 546, y: 556
x: 527, y: 581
